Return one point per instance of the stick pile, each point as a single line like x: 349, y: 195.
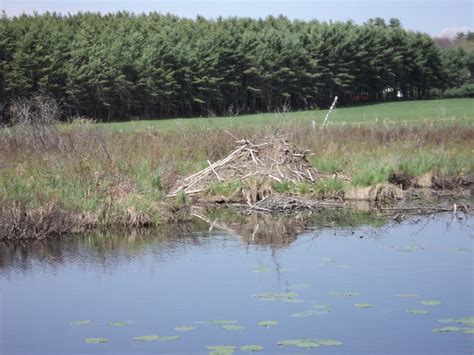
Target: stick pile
x: 272, y: 159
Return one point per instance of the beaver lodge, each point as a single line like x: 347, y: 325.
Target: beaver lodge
x: 257, y: 165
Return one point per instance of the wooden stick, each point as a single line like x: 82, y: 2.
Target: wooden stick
x: 210, y: 165
x: 326, y: 119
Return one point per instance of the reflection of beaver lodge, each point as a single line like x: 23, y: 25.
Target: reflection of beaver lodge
x: 258, y: 165
x: 260, y: 229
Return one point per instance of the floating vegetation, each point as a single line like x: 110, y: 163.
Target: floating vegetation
x: 185, y: 328
x: 468, y: 330
x: 344, y: 266
x: 293, y: 342
x: 329, y: 342
x: 469, y: 321
x: 326, y: 307
x: 293, y: 300
x: 446, y: 329
x: 277, y: 296
x: 221, y: 349
x: 307, y: 344
x: 363, y: 305
x: 344, y: 293
x: 96, y: 340
x: 268, y: 323
x: 300, y: 286
x: 262, y: 268
x: 410, y: 248
x: 200, y: 322
x: 446, y: 320
x: 406, y: 295
x: 168, y: 337
x: 233, y: 327
x: 78, y: 323
x: 249, y: 348
x: 309, y: 313
x: 302, y: 314
x: 118, y: 324
x: 418, y: 311
x: 146, y: 338
x: 328, y: 260
x: 222, y: 322
x: 462, y: 250
x: 431, y: 302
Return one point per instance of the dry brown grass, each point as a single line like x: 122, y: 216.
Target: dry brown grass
x: 124, y: 177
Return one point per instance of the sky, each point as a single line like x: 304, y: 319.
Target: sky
x: 435, y: 17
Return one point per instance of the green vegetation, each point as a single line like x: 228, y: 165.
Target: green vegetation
x: 96, y: 340
x: 122, y: 66
x: 106, y: 176
x: 393, y: 114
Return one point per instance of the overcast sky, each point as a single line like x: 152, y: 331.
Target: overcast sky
x: 430, y: 16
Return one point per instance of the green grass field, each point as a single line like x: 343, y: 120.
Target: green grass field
x: 450, y: 111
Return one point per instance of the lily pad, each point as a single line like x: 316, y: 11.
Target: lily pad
x: 221, y: 349
x: 145, y: 338
x: 184, y: 328
x: 329, y: 342
x: 78, y: 323
x: 293, y: 300
x: 410, y: 248
x: 307, y: 344
x: 309, y: 313
x: 118, y: 324
x: 462, y: 250
x: 446, y: 320
x: 363, y: 305
x: 300, y: 286
x: 469, y: 321
x: 221, y: 322
x: 233, y: 327
x: 96, y: 340
x: 406, y: 295
x: 431, y: 302
x: 293, y: 342
x: 343, y: 266
x: 168, y: 337
x: 344, y: 293
x: 262, y: 268
x: 276, y: 296
x: 418, y: 311
x: 268, y: 323
x: 446, y: 329
x: 249, y: 348
x: 326, y: 307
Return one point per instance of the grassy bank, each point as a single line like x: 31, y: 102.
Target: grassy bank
x: 103, y: 175
x: 446, y: 111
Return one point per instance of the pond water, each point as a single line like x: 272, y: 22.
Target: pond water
x: 374, y: 289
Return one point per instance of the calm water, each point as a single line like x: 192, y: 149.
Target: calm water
x: 190, y: 276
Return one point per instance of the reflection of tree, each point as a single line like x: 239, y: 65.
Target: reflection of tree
x: 111, y: 248
x: 103, y: 249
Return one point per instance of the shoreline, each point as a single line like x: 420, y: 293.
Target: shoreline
x: 17, y: 225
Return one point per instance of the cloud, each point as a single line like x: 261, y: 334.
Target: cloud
x: 451, y: 32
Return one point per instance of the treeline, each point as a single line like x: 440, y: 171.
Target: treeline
x: 122, y: 65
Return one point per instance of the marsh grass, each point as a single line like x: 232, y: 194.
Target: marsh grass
x: 123, y: 177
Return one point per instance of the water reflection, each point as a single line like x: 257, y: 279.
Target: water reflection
x: 110, y: 246
x: 211, y: 270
